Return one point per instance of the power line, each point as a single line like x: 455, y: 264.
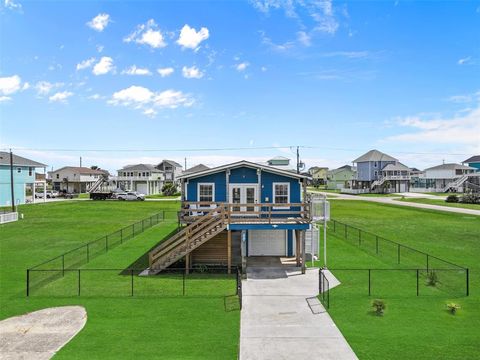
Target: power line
x: 291, y: 147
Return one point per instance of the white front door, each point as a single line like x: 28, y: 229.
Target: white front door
x: 243, y: 194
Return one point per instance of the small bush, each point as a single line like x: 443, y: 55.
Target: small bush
x: 470, y: 199
x: 453, y: 308
x: 169, y: 189
x: 432, y: 278
x: 452, y: 199
x: 379, y: 306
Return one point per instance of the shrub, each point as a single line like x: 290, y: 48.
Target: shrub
x: 451, y: 199
x: 169, y: 189
x: 452, y: 308
x: 470, y: 199
x: 432, y: 278
x: 379, y: 306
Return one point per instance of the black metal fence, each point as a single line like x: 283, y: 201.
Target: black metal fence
x: 83, y: 254
x: 172, y: 282
x: 239, y: 286
x: 323, y: 289
x: 450, y: 277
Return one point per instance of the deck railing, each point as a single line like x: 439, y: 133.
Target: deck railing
x: 8, y: 217
x: 251, y: 212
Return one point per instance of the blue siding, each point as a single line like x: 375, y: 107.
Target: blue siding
x: 19, y: 181
x: 243, y: 175
x: 366, y: 170
x: 220, y: 186
x: 267, y: 187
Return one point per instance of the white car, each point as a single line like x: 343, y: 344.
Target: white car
x: 131, y: 195
x: 50, y: 194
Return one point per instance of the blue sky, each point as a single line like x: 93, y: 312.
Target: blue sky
x: 338, y: 77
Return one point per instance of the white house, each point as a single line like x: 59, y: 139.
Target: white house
x: 75, y: 179
x: 444, y: 177
x: 144, y: 178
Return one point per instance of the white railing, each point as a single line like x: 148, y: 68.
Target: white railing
x: 397, y: 177
x: 8, y: 217
x: 354, y: 191
x: 140, y: 178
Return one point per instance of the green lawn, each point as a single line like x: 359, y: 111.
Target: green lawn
x: 442, y: 203
x: 158, y: 322
x: 412, y: 327
x: 160, y: 196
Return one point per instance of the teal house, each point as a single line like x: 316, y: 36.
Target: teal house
x: 473, y: 162
x: 24, y: 178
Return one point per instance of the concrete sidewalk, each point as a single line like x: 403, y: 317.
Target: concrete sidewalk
x: 283, y: 319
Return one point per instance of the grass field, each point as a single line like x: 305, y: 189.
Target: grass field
x: 442, y: 203
x: 412, y: 327
x: 160, y: 196
x: 118, y: 326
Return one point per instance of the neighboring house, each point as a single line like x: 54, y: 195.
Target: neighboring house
x: 144, y: 178
x: 237, y: 211
x: 341, y: 178
x: 196, y: 168
x: 319, y: 175
x: 447, y: 177
x: 473, y: 162
x: 24, y: 179
x: 379, y: 172
x: 170, y: 169
x: 75, y: 179
x: 280, y: 162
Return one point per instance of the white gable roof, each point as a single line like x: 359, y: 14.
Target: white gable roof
x: 247, y: 164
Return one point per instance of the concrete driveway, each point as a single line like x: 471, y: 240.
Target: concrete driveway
x: 282, y: 318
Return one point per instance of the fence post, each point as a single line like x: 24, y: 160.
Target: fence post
x: 183, y: 283
x: 398, y: 250
x: 121, y: 235
x: 28, y: 282
x: 106, y: 243
x: 163, y: 215
x: 467, y: 276
x: 427, y: 263
x: 417, y: 282
x: 334, y: 226
x: 359, y: 237
x: 369, y: 282
x: 320, y: 280
x: 143, y: 225
x: 345, y: 231
x: 131, y: 277
x: 63, y: 265
x: 88, y: 252
x: 78, y: 282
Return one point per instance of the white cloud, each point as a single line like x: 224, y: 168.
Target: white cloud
x: 304, y: 38
x: 5, y: 98
x: 100, y: 48
x: 164, y: 72
x: 147, y: 34
x: 104, y: 66
x: 44, y: 87
x: 465, y: 61
x: 242, y: 66
x: 12, y: 5
x: 192, y: 72
x: 60, y: 96
x: 134, y: 70
x: 190, y: 38
x: 465, y: 98
x: 462, y: 128
x: 139, y: 97
x: 99, y: 22
x: 85, y: 63
x: 95, y: 96
x: 10, y: 84
x: 263, y: 68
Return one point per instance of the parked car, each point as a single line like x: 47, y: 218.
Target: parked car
x: 67, y: 195
x: 49, y: 193
x: 131, y: 195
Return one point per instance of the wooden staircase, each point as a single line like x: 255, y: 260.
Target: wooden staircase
x: 188, y: 239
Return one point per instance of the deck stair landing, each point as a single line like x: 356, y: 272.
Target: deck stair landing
x: 187, y: 240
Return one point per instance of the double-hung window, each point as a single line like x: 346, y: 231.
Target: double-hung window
x: 281, y: 193
x: 206, y: 192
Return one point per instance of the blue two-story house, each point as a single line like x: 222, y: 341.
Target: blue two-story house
x: 379, y: 172
x: 24, y: 177
x: 237, y: 211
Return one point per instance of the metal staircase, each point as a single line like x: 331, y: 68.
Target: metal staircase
x: 378, y: 182
x: 97, y: 184
x: 454, y: 185
x: 188, y: 239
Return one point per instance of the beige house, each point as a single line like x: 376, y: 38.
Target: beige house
x: 318, y: 174
x: 75, y: 179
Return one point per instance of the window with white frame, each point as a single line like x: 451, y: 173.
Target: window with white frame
x: 206, y: 192
x: 281, y: 193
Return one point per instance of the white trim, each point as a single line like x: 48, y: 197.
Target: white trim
x: 205, y: 183
x: 243, y: 193
x: 246, y: 164
x: 273, y: 194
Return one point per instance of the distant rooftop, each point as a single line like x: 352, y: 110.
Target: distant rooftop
x: 450, y: 166
x: 18, y: 160
x: 196, y: 168
x: 80, y: 170
x: 473, y: 159
x: 139, y: 167
x: 374, y: 155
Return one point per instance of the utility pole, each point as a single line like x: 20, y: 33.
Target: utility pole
x: 80, y: 161
x: 185, y: 163
x: 11, y: 181
x: 298, y: 160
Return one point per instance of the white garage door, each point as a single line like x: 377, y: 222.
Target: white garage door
x: 267, y: 243
x: 142, y: 188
